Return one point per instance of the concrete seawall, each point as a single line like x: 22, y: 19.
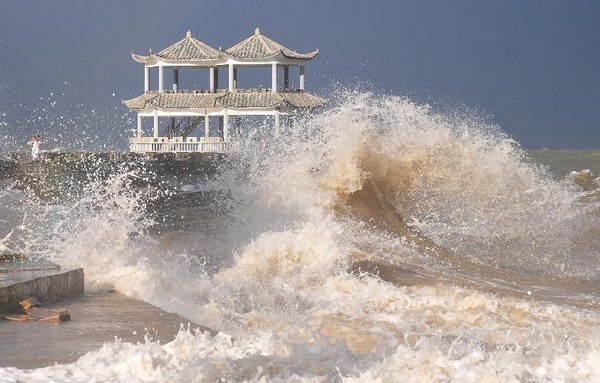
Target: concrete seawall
x: 62, y: 178
x: 97, y: 317
x: 49, y: 288
x: 62, y: 175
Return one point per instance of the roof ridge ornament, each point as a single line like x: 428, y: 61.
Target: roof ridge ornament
x: 188, y: 33
x: 257, y: 31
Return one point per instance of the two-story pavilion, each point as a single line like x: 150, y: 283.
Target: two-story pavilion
x: 175, y: 114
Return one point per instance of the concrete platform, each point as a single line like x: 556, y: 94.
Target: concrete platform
x: 96, y: 318
x: 47, y: 283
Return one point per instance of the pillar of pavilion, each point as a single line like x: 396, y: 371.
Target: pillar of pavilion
x: 175, y: 118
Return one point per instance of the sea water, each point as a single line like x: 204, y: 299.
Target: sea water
x: 376, y: 241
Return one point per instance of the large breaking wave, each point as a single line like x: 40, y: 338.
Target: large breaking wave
x: 376, y: 241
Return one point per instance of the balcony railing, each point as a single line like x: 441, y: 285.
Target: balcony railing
x: 177, y: 145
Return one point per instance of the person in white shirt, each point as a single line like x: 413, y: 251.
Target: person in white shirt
x: 35, y: 146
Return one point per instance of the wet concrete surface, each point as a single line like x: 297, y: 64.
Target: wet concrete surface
x: 18, y: 270
x: 96, y: 318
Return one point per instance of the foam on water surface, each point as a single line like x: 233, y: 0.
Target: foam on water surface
x: 486, y: 265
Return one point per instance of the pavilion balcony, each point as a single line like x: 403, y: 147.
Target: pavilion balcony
x: 177, y: 145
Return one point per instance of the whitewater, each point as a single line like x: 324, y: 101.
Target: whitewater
x: 376, y: 241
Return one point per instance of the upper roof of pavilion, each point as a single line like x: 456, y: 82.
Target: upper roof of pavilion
x: 192, y: 51
x: 188, y: 50
x: 259, y: 46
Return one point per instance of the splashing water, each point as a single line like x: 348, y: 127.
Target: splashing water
x: 377, y: 241
x: 64, y: 125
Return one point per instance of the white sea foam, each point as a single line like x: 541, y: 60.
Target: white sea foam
x: 287, y: 302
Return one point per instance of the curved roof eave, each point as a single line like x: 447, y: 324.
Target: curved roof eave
x: 139, y: 102
x: 301, y: 56
x: 142, y: 59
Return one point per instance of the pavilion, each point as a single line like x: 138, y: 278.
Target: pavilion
x: 202, y: 120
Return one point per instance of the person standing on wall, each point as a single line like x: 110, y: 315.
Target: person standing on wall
x: 35, y: 146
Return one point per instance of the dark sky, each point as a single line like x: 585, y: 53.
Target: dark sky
x: 532, y: 66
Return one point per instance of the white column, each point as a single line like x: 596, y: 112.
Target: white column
x: 231, y: 77
x: 276, y: 123
x: 139, y: 125
x: 274, y: 77
x: 212, y: 79
x: 155, y: 123
x: 160, y: 79
x: 302, y: 76
x: 175, y: 80
x: 286, y: 77
x: 206, y: 124
x: 146, y: 79
x: 225, y: 126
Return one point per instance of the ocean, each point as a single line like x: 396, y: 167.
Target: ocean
x: 376, y: 241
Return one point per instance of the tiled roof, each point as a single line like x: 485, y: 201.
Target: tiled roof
x: 302, y: 99
x: 259, y: 46
x: 174, y: 100
x: 241, y: 99
x: 187, y: 49
x: 251, y: 100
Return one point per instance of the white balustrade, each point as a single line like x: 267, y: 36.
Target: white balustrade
x: 177, y: 145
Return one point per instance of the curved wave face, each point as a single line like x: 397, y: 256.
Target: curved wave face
x: 378, y: 241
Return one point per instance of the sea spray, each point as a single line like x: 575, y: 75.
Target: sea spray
x: 64, y: 121
x: 467, y: 186
x: 99, y: 232
x: 377, y: 178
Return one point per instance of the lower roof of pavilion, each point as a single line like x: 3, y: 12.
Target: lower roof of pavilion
x: 249, y: 98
